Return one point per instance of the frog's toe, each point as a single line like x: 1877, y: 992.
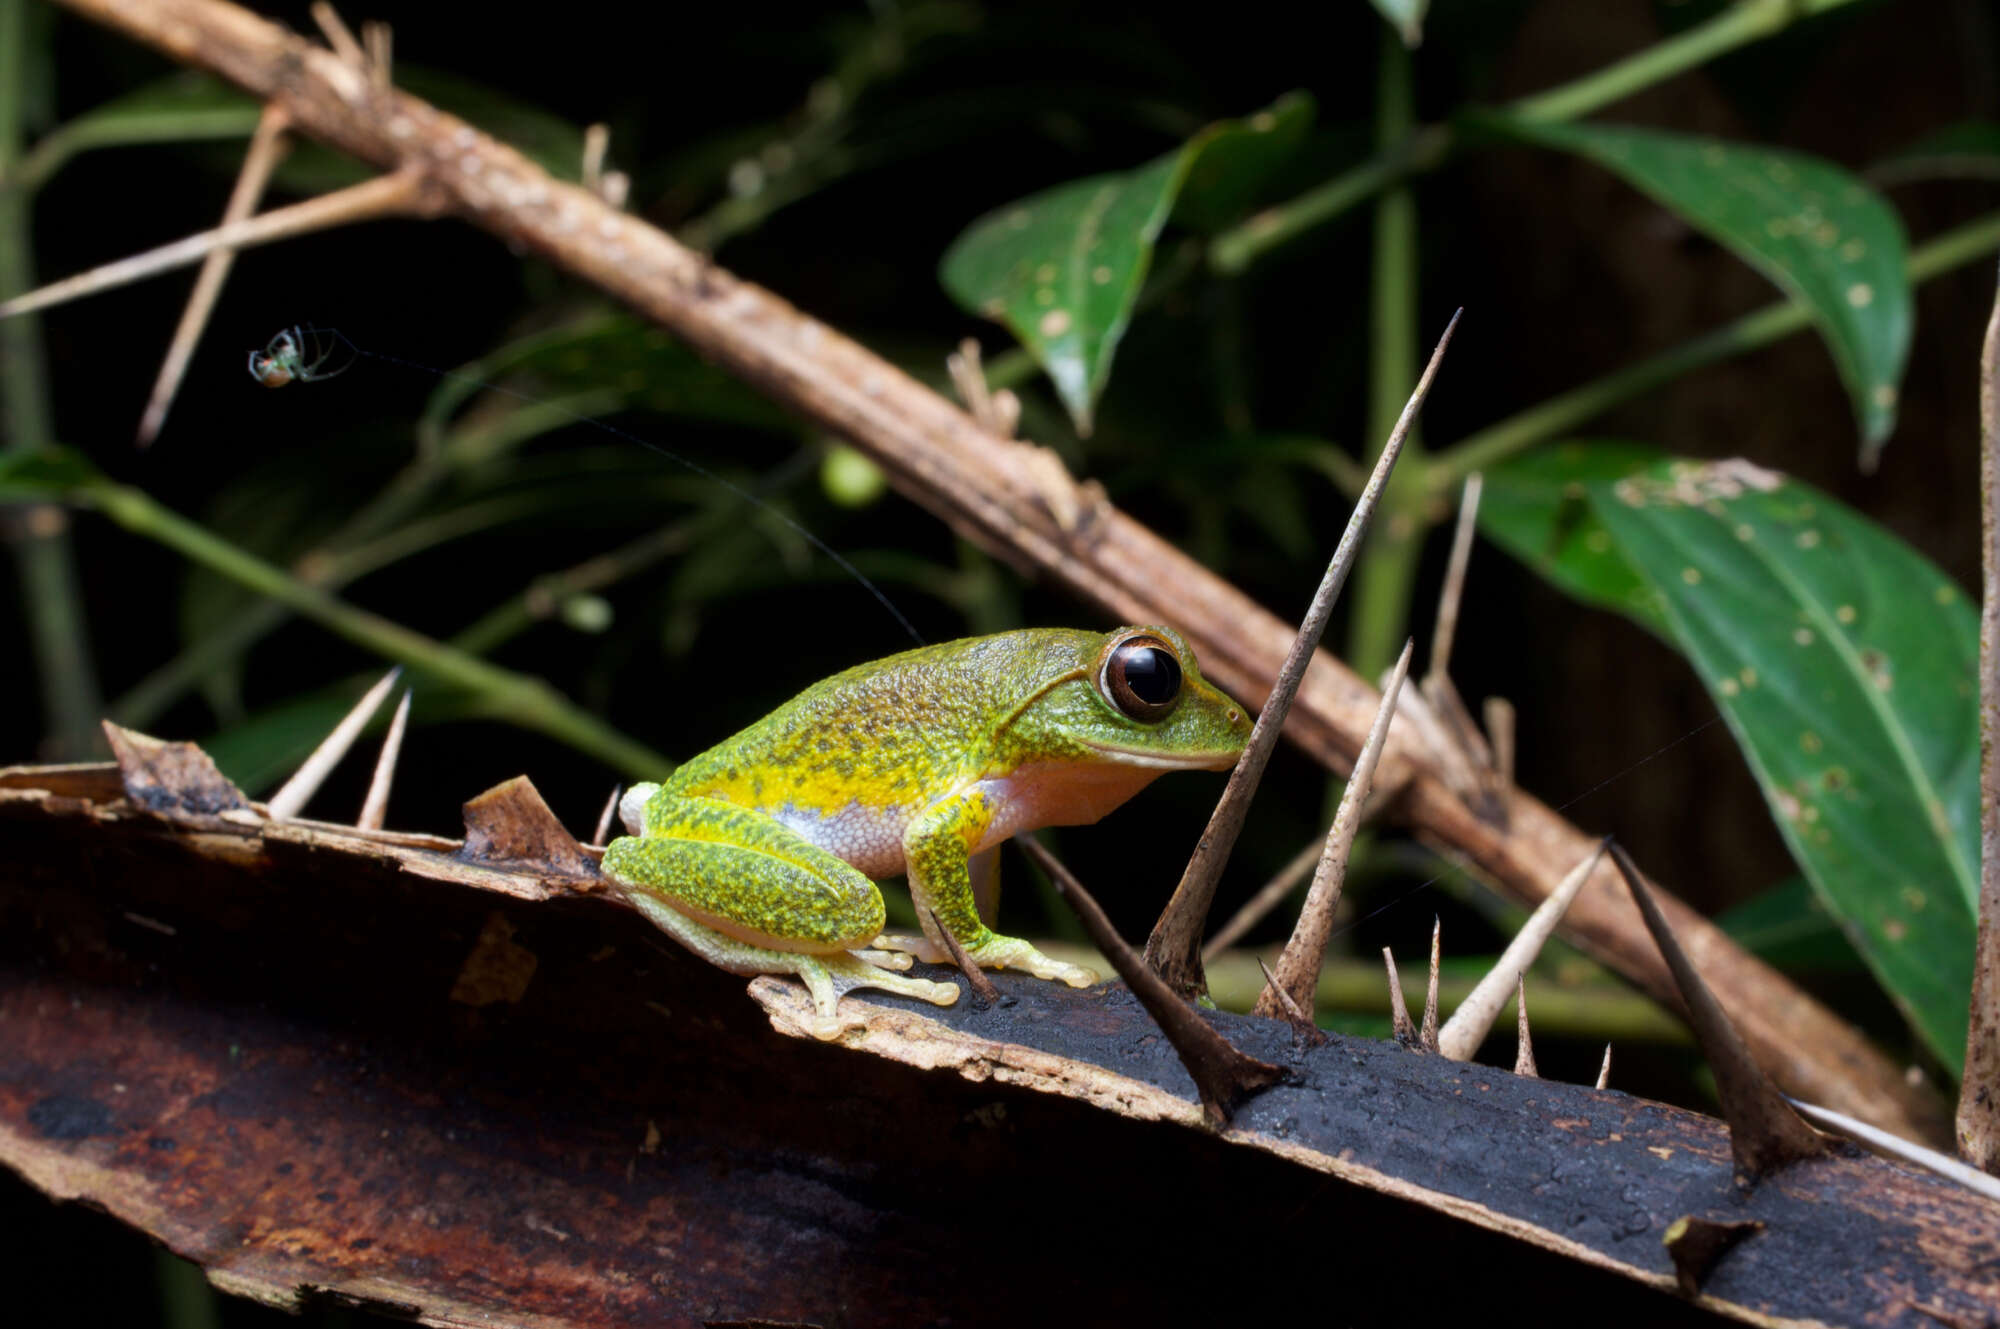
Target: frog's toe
x: 884, y: 959
x: 851, y: 971
x: 920, y: 947
x: 1013, y: 953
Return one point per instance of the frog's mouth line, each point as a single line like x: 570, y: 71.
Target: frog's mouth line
x: 1216, y: 761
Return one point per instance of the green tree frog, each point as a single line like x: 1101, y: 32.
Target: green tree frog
x: 759, y: 855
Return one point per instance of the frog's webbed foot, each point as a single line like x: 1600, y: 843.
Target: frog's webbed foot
x: 831, y: 977
x: 998, y: 952
x: 993, y: 952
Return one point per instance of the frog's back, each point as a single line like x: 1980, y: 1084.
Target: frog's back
x: 892, y: 734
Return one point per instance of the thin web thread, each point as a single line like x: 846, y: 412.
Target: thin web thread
x: 1654, y: 755
x: 791, y: 524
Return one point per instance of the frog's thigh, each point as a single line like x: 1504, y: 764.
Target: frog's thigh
x: 750, y: 877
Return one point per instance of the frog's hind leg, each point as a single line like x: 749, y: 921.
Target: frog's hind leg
x: 750, y: 895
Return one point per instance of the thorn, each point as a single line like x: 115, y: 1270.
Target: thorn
x: 1399, y: 1009
x: 1604, y: 1071
x: 1174, y: 948
x: 1764, y: 1132
x: 1301, y: 1024
x: 984, y: 993
x: 1263, y: 902
x: 337, y: 34
x: 1454, y: 581
x: 379, y: 40
x: 596, y: 142
x: 604, y: 817
x: 1697, y: 1243
x: 376, y: 806
x: 1428, y: 1037
x: 1299, y: 964
x: 398, y: 194
x: 1223, y: 1076
x: 997, y: 412
x: 1466, y: 1030
x: 1500, y: 733
x: 1896, y: 1147
x: 1524, y: 1049
x: 285, y: 804
x: 267, y: 148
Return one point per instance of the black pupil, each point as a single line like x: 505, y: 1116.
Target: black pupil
x: 1153, y: 675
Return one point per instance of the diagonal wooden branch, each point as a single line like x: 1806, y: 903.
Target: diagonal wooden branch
x: 998, y: 495
x: 400, y: 194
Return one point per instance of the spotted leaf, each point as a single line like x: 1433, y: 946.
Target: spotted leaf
x: 1827, y: 239
x: 1062, y: 269
x: 1847, y: 665
x: 1537, y: 507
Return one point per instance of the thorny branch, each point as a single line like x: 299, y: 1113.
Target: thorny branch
x: 1003, y: 496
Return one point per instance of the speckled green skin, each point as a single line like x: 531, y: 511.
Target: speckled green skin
x: 767, y: 842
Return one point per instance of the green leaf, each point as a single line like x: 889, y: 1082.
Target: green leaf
x: 1232, y: 162
x: 1537, y: 507
x: 1063, y: 268
x: 173, y: 110
x: 1826, y: 239
x: 1847, y: 665
x: 45, y: 475
x: 1788, y: 927
x: 1969, y: 150
x: 1406, y: 17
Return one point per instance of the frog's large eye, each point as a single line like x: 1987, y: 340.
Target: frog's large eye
x: 1141, y: 677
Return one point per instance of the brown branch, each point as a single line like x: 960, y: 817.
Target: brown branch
x: 1979, y: 1097
x: 396, y: 195
x: 998, y: 496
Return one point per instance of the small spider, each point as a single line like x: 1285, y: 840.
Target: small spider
x: 302, y: 354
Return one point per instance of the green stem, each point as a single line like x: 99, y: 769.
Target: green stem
x: 1427, y: 148
x: 1497, y: 442
x: 38, y: 533
x: 1749, y: 21
x: 332, y: 566
x: 1388, y: 566
x: 518, y: 699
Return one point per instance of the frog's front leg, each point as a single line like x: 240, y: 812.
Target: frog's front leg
x: 749, y: 895
x: 938, y: 849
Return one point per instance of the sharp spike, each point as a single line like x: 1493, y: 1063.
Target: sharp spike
x: 285, y: 804
x: 1524, y: 1048
x: 1429, y: 1035
x: 1223, y: 1076
x: 1764, y: 1132
x: 1174, y: 948
x: 1462, y: 1034
x: 376, y: 806
x: 597, y: 837
x: 1454, y: 579
x: 1299, y: 965
x: 1604, y: 1071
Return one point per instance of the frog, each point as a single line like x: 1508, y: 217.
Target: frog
x: 762, y: 854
